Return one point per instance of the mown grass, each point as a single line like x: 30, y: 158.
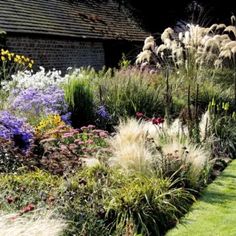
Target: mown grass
x: 215, y: 213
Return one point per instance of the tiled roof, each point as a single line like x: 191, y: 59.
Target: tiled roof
x: 101, y: 19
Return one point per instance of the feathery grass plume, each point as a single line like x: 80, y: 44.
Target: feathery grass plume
x: 149, y: 43
x: 167, y: 35
x: 204, y: 126
x: 233, y: 50
x: 231, y: 30
x: 233, y: 20
x: 212, y: 28
x: 129, y: 146
x: 144, y: 56
x: 220, y: 28
x: 149, y: 39
x: 194, y: 48
x: 37, y: 224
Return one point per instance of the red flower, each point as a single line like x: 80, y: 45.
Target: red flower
x: 9, y: 199
x: 157, y: 121
x: 139, y: 115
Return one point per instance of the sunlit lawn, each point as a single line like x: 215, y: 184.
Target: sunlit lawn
x: 215, y: 213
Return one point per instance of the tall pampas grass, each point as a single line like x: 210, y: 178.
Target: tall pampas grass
x: 194, y: 47
x: 37, y: 224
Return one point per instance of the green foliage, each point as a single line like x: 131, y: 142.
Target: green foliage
x: 147, y: 204
x: 101, y: 200
x: 222, y: 129
x: 124, y: 62
x: 84, y: 195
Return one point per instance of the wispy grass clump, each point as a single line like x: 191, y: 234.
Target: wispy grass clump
x: 165, y: 150
x: 130, y: 147
x: 37, y: 224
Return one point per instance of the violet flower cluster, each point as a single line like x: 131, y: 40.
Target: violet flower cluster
x: 103, y: 113
x: 15, y: 129
x: 38, y: 102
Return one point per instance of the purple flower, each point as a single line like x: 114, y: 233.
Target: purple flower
x: 35, y: 101
x: 67, y: 118
x: 102, y: 112
x: 13, y: 128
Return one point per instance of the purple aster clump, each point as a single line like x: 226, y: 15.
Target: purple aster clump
x: 103, y: 113
x: 15, y: 129
x: 35, y: 101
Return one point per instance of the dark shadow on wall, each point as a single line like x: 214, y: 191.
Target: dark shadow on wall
x: 114, y: 50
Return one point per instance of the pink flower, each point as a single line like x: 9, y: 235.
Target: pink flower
x: 103, y: 134
x: 73, y: 146
x: 67, y: 135
x: 89, y: 141
x: 84, y: 128
x: 63, y: 147
x: 91, y: 126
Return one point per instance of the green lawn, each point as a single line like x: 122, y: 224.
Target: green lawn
x: 215, y: 213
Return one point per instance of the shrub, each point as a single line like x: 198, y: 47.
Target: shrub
x: 79, y: 96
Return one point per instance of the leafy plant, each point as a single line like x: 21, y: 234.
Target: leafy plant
x: 148, y: 204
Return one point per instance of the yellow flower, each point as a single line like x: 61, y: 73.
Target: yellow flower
x: 30, y: 65
x: 4, y: 52
x: 3, y: 58
x: 48, y: 123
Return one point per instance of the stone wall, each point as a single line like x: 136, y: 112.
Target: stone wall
x: 58, y: 53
